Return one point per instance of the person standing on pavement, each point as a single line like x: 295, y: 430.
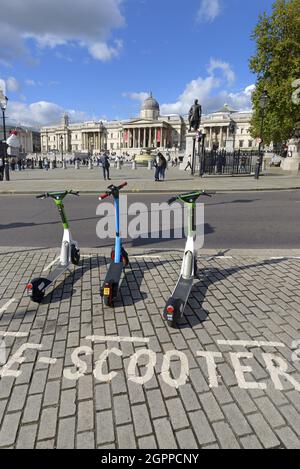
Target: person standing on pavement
x: 104, y: 160
x: 163, y: 167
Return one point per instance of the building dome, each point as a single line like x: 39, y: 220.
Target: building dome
x: 150, y: 108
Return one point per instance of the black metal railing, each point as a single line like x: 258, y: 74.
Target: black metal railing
x: 224, y: 163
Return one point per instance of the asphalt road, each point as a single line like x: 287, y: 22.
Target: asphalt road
x: 232, y: 221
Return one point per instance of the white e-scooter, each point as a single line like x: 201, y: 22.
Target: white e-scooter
x: 69, y: 254
x: 176, y: 304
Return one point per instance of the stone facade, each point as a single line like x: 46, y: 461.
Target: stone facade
x: 149, y: 130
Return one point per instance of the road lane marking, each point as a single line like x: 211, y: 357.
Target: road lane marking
x: 14, y: 334
x: 47, y: 360
x: 287, y: 258
x: 251, y: 343
x: 96, y: 338
x: 146, y: 257
x: 4, y: 308
x: 51, y: 264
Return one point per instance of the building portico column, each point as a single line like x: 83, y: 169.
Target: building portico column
x: 210, y: 138
x: 155, y: 137
x: 221, y: 137
x: 145, y: 135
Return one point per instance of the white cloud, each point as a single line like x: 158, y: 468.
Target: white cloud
x: 12, y: 84
x: 41, y: 113
x: 87, y: 23
x: 208, y: 10
x: 30, y: 83
x: 3, y: 86
x: 101, y: 51
x: 224, y: 67
x: 136, y: 96
x: 211, y: 92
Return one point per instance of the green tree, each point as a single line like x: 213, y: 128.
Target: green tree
x: 277, y: 65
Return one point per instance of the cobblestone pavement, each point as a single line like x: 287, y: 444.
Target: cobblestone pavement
x: 134, y: 383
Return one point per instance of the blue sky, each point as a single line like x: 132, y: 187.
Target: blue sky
x: 99, y: 58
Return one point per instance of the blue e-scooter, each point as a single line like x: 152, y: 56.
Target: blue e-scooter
x: 110, y: 289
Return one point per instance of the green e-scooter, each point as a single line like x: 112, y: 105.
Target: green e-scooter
x: 176, y: 304
x: 69, y: 254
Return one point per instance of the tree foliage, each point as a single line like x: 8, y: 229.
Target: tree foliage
x: 277, y: 66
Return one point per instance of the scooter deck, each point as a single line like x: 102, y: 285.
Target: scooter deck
x: 114, y: 273
x: 57, y: 272
x: 183, y: 289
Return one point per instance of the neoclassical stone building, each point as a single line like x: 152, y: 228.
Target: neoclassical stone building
x: 149, y: 130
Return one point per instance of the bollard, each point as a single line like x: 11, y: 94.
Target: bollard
x: 76, y: 164
x: 134, y: 165
x: 64, y: 165
x: 118, y: 165
x: 90, y: 164
x: 150, y: 165
x: 51, y: 164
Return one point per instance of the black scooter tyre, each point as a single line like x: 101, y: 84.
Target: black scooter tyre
x: 37, y: 296
x: 75, y: 255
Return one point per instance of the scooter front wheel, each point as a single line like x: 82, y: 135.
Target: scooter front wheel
x: 75, y: 255
x: 107, y: 294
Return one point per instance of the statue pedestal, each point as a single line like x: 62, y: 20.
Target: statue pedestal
x: 292, y: 163
x: 190, y: 136
x: 230, y: 145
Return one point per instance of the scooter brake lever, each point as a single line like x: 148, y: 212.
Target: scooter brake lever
x: 171, y: 201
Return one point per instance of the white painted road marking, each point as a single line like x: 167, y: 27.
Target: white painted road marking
x: 288, y: 258
x: 95, y: 338
x: 250, y: 343
x: 48, y: 361
x: 14, y: 334
x: 51, y: 264
x: 4, y: 308
x: 146, y: 257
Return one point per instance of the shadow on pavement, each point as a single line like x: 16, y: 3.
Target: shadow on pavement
x: 206, y: 277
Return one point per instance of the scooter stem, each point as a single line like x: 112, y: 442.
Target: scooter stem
x: 118, y: 242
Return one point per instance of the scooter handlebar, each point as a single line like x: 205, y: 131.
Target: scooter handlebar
x: 103, y: 196
x: 43, y: 196
x: 172, y: 200
x: 74, y: 193
x: 123, y: 185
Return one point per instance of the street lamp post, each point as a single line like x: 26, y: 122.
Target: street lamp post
x: 262, y: 104
x: 62, y: 148
x: 3, y: 104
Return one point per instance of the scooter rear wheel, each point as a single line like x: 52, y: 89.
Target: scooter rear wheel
x: 37, y: 296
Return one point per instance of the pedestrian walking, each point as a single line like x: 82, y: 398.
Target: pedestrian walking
x: 1, y: 169
x: 163, y: 167
x: 189, y: 165
x: 104, y: 160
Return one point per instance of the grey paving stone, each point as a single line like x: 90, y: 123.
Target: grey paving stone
x: 46, y: 444
x: 189, y: 398
x: 18, y: 397
x: 225, y: 436
x: 186, y: 439
x: 250, y: 442
x: 66, y: 433
x: 32, y: 409
x: 236, y: 419
x: 122, y: 409
x: 156, y: 404
x: 48, y: 422
x: 85, y: 440
x: 85, y: 416
x: 26, y: 437
x: 288, y: 438
x: 263, y: 431
x: 211, y: 407
x: 38, y: 382
x: 202, y: 428
x: 148, y: 442
x: 105, y: 427
x: 269, y: 412
x: 103, y: 397
x: 177, y: 414
x: 164, y: 434
x: 9, y: 429
x: 126, y: 437
x: 52, y: 393
x: 67, y: 406
x: 292, y: 417
x: 141, y: 420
